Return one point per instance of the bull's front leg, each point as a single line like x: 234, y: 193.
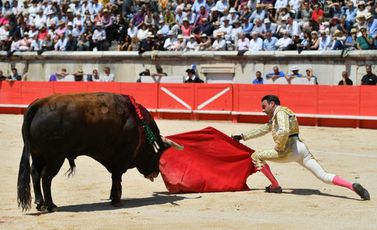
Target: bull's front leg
x: 116, y: 189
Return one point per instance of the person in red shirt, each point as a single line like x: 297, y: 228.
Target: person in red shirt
x: 317, y: 12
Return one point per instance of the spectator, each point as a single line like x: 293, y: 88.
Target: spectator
x: 107, y: 76
x: 364, y: 41
x: 314, y: 41
x: 170, y: 41
x: 219, y: 43
x: 268, y: 26
x: 350, y: 15
x: 94, y: 76
x: 192, y: 44
x: 147, y: 44
x: 324, y: 41
x: 350, y: 42
x: 310, y: 76
x: 345, y: 79
x: 338, y: 41
x: 99, y: 38
x: 372, y: 27
x: 205, y: 43
x: 15, y: 76
x: 79, y: 75
x: 243, y: 43
x: 275, y: 74
x: 258, y: 78
x: 284, y: 41
x: 369, y: 78
x: 269, y: 44
x: 295, y: 73
x: 180, y: 43
x: 192, y: 77
x: 256, y: 43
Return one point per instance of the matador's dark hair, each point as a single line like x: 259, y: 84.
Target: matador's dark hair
x: 270, y: 98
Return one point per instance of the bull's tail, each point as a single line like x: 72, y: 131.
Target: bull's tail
x: 72, y: 167
x: 23, y: 183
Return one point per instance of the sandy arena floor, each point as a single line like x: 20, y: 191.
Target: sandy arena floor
x: 306, y: 202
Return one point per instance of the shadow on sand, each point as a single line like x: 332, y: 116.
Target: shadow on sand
x: 310, y: 192
x: 156, y: 199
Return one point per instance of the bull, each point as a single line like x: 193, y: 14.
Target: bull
x: 111, y: 128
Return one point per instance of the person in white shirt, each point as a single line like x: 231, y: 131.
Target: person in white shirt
x: 325, y: 41
x: 219, y: 44
x: 192, y: 44
x: 107, y: 76
x: 243, y: 42
x: 170, y: 41
x: 256, y: 43
x: 283, y: 42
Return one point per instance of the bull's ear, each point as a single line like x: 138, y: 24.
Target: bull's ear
x: 172, y: 143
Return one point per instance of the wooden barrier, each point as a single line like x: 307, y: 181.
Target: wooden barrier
x: 348, y: 106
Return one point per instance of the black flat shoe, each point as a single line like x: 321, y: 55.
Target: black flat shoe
x: 273, y: 190
x: 361, y: 191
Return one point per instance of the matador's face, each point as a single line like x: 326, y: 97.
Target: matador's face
x: 268, y: 108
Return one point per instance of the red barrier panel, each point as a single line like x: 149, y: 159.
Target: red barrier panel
x: 178, y: 97
x: 338, y: 100
x: 144, y: 93
x: 30, y: 91
x: 368, y: 100
x: 300, y: 98
x: 247, y: 97
x: 70, y: 87
x: 10, y: 92
x: 111, y: 87
x: 216, y: 98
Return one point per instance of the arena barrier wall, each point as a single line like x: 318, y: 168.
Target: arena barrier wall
x: 346, y: 106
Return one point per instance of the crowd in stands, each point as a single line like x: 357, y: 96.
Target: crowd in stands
x: 79, y: 75
x: 308, y: 78
x: 187, y: 25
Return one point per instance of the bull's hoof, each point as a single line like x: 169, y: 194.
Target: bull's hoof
x: 50, y: 208
x: 40, y: 206
x: 116, y: 203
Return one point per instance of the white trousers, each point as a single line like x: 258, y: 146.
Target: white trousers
x: 296, y: 152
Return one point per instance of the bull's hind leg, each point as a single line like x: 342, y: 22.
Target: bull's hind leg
x: 36, y: 170
x: 116, y: 189
x: 49, y: 172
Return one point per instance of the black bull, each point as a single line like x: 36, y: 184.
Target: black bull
x: 104, y: 126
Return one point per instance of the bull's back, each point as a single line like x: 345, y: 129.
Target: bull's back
x: 79, y: 123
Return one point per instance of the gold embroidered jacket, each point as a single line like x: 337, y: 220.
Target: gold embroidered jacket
x: 282, y: 124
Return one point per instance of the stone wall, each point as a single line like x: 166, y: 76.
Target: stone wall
x: 326, y: 65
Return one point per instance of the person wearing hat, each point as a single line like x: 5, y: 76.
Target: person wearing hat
x: 350, y: 41
x: 180, y: 43
x: 159, y: 41
x: 147, y: 44
x: 361, y: 9
x: 268, y: 26
x: 205, y: 43
x: 372, y: 27
x: 79, y: 75
x: 365, y: 41
x: 324, y: 41
x: 219, y: 44
x: 294, y: 73
x: 233, y: 16
x: 314, y: 40
x: 186, y: 28
x: 191, y: 44
x: 236, y: 30
x: 99, y: 38
x: 192, y: 77
x: 338, y: 40
x: 170, y: 41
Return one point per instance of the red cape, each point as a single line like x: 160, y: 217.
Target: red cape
x: 210, y: 162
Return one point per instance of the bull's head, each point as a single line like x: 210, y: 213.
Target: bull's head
x: 150, y: 167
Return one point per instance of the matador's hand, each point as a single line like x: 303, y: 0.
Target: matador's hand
x: 277, y: 149
x: 237, y: 137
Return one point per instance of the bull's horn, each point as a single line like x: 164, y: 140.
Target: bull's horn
x: 172, y: 143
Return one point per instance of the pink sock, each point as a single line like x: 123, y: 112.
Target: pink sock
x: 267, y: 172
x: 342, y: 182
